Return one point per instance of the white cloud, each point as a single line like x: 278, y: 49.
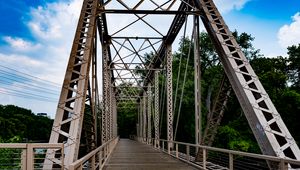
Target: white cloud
x: 20, y: 44
x: 55, y: 21
x: 227, y: 5
x: 53, y: 27
x: 26, y: 61
x: 290, y: 34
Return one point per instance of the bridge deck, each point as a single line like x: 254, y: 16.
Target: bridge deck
x: 133, y: 155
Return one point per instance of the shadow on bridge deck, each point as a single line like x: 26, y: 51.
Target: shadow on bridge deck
x: 132, y: 155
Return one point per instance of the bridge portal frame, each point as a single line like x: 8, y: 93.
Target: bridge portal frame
x: 267, y: 125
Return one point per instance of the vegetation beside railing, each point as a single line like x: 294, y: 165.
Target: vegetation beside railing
x: 29, y: 156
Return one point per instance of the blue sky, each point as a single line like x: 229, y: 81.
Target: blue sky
x: 36, y: 37
x: 263, y: 19
x: 15, y: 13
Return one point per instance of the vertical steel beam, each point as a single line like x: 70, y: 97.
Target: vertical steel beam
x: 149, y: 129
x: 144, y: 116
x: 108, y: 114
x: 197, y: 82
x: 94, y: 89
x: 111, y: 112
x: 98, y: 106
x: 156, y: 108
x: 114, y: 116
x: 138, y: 121
x: 169, y: 59
x: 141, y: 118
x: 105, y: 91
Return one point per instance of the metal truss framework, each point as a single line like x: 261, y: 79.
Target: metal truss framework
x: 144, y: 117
x: 131, y: 65
x: 268, y: 128
x: 197, y: 82
x: 217, y: 112
x: 68, y: 123
x: 149, y: 113
x: 156, y: 108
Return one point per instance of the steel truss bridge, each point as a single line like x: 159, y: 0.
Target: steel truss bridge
x: 84, y: 133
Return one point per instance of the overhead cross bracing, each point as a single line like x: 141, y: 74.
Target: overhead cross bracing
x: 136, y: 39
x: 135, y: 29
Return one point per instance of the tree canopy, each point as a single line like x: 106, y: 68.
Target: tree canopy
x: 21, y: 125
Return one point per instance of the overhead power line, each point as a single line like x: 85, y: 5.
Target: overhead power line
x: 13, y: 79
x: 28, y: 76
x: 19, y: 84
x: 27, y: 93
x: 28, y: 96
x: 27, y: 87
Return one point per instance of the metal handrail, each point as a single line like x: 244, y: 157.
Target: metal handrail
x: 97, y: 157
x: 29, y: 158
x: 32, y: 145
x: 284, y: 163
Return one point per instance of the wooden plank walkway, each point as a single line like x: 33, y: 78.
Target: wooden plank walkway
x: 132, y: 155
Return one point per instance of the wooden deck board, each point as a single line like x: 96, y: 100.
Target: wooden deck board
x: 132, y: 155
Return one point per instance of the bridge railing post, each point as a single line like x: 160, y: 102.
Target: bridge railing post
x: 169, y: 147
x: 23, y: 159
x: 283, y: 165
x: 187, y: 152
x: 93, y: 162
x: 230, y: 161
x: 30, y: 159
x: 100, y: 158
x: 176, y: 149
x: 71, y: 167
x: 204, y: 158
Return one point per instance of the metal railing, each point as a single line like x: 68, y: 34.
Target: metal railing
x: 217, y: 158
x: 97, y: 158
x: 28, y: 156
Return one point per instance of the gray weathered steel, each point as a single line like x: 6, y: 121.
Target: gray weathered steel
x: 156, y: 108
x: 67, y: 125
x: 169, y: 59
x: 174, y: 29
x: 144, y: 116
x: 149, y: 112
x: 105, y: 83
x: 197, y: 82
x: 270, y: 131
x: 132, y: 68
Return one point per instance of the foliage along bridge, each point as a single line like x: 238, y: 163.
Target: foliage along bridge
x: 84, y: 132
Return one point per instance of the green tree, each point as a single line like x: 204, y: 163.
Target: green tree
x: 294, y: 66
x: 127, y: 116
x: 10, y: 158
x: 22, y: 122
